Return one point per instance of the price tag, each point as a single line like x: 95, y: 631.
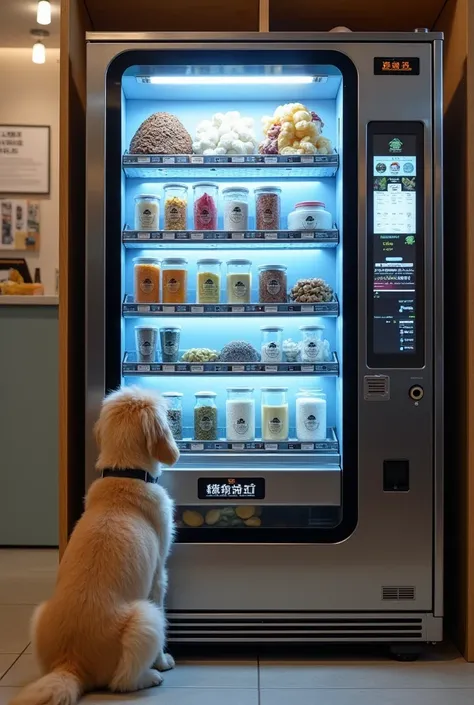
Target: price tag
x: 168, y: 236
x: 143, y: 309
x: 307, y: 309
x: 197, y: 309
x: 307, y: 160
x: 237, y: 309
x: 143, y: 160
x: 237, y: 236
x: 143, y: 236
x: 197, y: 446
x: 238, y: 446
x: 238, y: 368
x: 271, y: 309
x: 307, y: 368
x: 169, y: 309
x: 168, y: 368
x: 197, y: 368
x: 271, y: 236
x: 169, y: 160
x: 197, y: 160
x: 270, y: 160
x: 271, y: 446
x: 271, y: 368
x: 307, y: 446
x: 307, y: 235
x: 237, y: 160
x: 197, y: 236
x: 143, y: 368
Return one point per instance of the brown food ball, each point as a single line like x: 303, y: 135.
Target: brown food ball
x: 161, y: 133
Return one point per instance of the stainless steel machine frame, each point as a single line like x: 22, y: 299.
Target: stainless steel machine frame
x: 385, y: 581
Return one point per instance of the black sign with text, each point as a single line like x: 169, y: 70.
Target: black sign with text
x: 234, y: 488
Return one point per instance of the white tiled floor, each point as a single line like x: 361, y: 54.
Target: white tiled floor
x: 441, y: 677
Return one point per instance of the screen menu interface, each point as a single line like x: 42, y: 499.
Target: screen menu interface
x: 394, y: 186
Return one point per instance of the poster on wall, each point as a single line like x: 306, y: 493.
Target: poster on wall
x: 24, y: 159
x: 20, y: 224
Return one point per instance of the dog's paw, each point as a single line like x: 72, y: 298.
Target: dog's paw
x: 164, y: 662
x: 149, y: 679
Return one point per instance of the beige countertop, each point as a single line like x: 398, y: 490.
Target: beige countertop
x: 29, y: 300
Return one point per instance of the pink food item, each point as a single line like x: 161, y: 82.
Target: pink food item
x: 205, y: 213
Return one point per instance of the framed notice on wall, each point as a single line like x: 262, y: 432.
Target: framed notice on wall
x: 24, y: 159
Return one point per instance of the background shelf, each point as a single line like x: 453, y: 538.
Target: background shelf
x: 135, y: 239
x: 330, y: 445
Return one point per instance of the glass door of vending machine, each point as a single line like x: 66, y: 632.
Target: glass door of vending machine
x: 237, y: 284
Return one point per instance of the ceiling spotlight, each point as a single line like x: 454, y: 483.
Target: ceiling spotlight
x: 39, y: 50
x: 43, y: 13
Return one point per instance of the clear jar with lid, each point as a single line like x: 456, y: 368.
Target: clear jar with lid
x: 175, y: 280
x: 313, y: 347
x: 236, y: 208
x: 311, y: 415
x: 271, y: 349
x: 240, y: 414
x: 146, y: 280
x: 205, y: 417
x: 208, y: 286
x: 272, y: 284
x: 239, y: 281
x: 267, y: 208
x: 175, y: 207
x: 310, y: 215
x: 147, y: 212
x: 205, y: 206
x: 275, y: 416
x: 174, y: 412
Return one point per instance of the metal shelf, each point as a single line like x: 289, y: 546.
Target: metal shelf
x: 254, y: 166
x: 259, y: 447
x: 135, y: 239
x: 130, y: 309
x: 131, y: 367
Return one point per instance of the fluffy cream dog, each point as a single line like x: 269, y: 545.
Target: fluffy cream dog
x: 104, y: 627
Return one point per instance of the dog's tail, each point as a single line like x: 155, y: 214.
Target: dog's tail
x: 61, y: 687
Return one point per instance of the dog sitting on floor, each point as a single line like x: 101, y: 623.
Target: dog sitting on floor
x: 104, y: 627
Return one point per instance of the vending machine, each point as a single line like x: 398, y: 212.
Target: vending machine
x: 264, y: 248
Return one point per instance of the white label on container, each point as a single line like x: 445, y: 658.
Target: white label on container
x: 197, y: 236
x: 197, y: 368
x: 238, y: 309
x: 307, y: 446
x: 143, y: 236
x: 271, y: 236
x: 197, y: 446
x: 238, y: 368
x: 307, y: 368
x: 270, y: 160
x: 168, y: 368
x: 197, y: 160
x: 197, y: 309
x: 238, y: 446
x: 143, y: 309
x: 238, y: 160
x: 271, y: 368
x: 169, y: 309
x: 271, y: 309
x: 143, y: 368
x: 237, y: 236
x: 168, y: 236
x: 271, y: 446
x: 169, y: 160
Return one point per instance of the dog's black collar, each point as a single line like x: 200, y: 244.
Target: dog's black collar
x: 131, y: 473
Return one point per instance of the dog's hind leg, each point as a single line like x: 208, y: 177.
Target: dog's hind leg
x: 141, y: 641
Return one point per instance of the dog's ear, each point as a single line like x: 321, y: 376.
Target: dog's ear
x: 159, y: 439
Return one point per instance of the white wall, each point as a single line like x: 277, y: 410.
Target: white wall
x: 29, y: 94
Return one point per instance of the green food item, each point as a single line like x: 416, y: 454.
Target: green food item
x: 205, y: 423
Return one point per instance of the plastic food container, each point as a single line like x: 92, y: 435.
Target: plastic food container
x: 275, y: 423
x: 311, y: 415
x: 239, y: 281
x: 310, y: 215
x: 271, y: 349
x: 313, y: 347
x: 272, y: 284
x: 175, y: 207
x: 236, y: 208
x: 267, y: 208
x: 175, y: 280
x: 146, y: 277
x: 145, y: 343
x: 174, y: 402
x: 240, y: 414
x: 205, y: 416
x: 147, y: 212
x: 208, y: 288
x: 169, y: 341
x: 205, y: 206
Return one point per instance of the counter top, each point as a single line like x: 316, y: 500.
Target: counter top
x: 29, y: 300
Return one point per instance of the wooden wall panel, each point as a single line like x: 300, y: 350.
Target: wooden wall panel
x: 74, y: 23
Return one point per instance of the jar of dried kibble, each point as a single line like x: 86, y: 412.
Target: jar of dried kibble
x: 267, y: 208
x: 272, y: 284
x: 205, y: 206
x: 205, y: 416
x: 146, y: 278
x: 174, y: 412
x: 176, y: 206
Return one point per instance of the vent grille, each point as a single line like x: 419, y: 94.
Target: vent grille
x: 376, y: 388
x: 404, y: 592
x: 236, y: 627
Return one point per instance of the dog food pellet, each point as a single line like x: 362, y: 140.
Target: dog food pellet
x: 272, y: 284
x: 267, y: 208
x: 194, y: 519
x: 205, y: 423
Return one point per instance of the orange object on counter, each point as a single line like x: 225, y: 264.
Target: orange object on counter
x: 146, y: 275
x: 175, y: 280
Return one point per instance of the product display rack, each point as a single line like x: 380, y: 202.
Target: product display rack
x: 253, y: 238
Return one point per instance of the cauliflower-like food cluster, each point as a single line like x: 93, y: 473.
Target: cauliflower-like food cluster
x: 161, y: 133
x: 239, y: 351
x: 225, y: 133
x: 293, y: 129
x: 311, y: 291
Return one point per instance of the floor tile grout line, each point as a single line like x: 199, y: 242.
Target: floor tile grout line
x: 12, y: 664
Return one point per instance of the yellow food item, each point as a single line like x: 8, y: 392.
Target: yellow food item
x: 208, y: 288
x: 245, y: 512
x: 175, y: 286
x: 212, y: 517
x: 147, y: 283
x: 194, y: 519
x: 253, y: 521
x: 11, y: 288
x: 15, y: 276
x: 175, y: 213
